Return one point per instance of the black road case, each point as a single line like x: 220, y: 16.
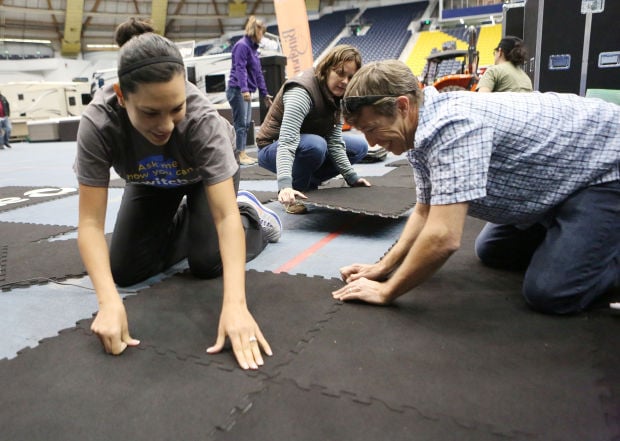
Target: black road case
x: 573, y: 45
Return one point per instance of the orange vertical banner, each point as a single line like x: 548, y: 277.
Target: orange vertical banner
x: 294, y: 31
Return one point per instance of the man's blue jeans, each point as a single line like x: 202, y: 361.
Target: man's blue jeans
x: 312, y: 164
x: 241, y: 114
x: 569, y: 263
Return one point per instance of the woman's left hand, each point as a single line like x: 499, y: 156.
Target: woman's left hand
x: 245, y: 336
x: 361, y: 182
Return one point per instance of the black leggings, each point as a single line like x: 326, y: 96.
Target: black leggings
x: 155, y: 228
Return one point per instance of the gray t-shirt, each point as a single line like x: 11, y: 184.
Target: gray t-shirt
x: 201, y: 147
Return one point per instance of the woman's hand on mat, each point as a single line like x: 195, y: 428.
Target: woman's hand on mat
x: 245, y: 336
x: 287, y: 196
x: 110, y: 325
x: 361, y: 182
x: 365, y: 290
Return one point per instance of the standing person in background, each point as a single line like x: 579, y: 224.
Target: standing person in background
x: 175, y: 152
x: 246, y: 75
x: 507, y: 75
x: 301, y: 137
x: 5, y: 122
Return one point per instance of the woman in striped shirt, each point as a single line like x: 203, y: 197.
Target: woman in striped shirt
x: 301, y: 138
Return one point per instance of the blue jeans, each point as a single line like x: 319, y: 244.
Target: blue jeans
x: 569, y: 263
x: 241, y: 114
x: 312, y: 164
x: 5, y: 125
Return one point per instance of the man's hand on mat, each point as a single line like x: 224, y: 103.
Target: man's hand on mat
x: 356, y: 271
x: 111, y: 327
x: 287, y: 196
x: 365, y: 290
x: 361, y: 182
x: 245, y: 336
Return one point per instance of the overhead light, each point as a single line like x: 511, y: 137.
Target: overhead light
x: 24, y: 40
x: 102, y: 46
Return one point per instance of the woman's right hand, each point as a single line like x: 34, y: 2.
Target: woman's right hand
x: 110, y: 325
x: 287, y: 196
x: 247, y: 96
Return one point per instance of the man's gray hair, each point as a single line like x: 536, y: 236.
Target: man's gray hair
x: 391, y: 78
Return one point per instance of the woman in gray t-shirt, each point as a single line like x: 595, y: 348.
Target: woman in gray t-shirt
x: 176, y: 154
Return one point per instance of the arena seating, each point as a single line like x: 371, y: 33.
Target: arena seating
x: 325, y: 29
x: 385, y: 32
x: 388, y: 33
x: 427, y: 41
x: 488, y: 38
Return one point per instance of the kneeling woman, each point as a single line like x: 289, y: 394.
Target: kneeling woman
x: 176, y: 153
x: 301, y: 137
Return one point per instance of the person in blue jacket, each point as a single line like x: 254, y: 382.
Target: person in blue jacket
x: 246, y: 76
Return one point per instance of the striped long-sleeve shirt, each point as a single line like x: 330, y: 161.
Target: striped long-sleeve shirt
x: 297, y: 104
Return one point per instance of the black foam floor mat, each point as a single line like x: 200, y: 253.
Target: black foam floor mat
x: 384, y: 201
x: 464, y: 347
x: 27, y: 257
x: 68, y: 389
x: 459, y: 358
x: 478, y: 358
x: 390, y: 195
x: 19, y: 233
x: 186, y: 307
x: 17, y: 197
x: 256, y: 173
x: 285, y: 411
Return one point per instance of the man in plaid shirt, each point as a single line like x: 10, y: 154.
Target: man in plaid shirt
x: 542, y: 168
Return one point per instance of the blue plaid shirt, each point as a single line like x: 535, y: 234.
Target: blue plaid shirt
x: 512, y: 156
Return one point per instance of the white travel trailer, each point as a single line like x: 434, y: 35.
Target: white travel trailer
x: 208, y: 72
x: 43, y: 100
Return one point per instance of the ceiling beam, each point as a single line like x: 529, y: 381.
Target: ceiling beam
x: 177, y: 10
x: 159, y: 12
x: 120, y: 15
x: 88, y: 19
x: 71, y: 40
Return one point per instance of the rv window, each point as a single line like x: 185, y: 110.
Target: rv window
x: 215, y: 83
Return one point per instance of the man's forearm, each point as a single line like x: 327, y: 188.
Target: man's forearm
x: 395, y: 256
x: 439, y: 237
